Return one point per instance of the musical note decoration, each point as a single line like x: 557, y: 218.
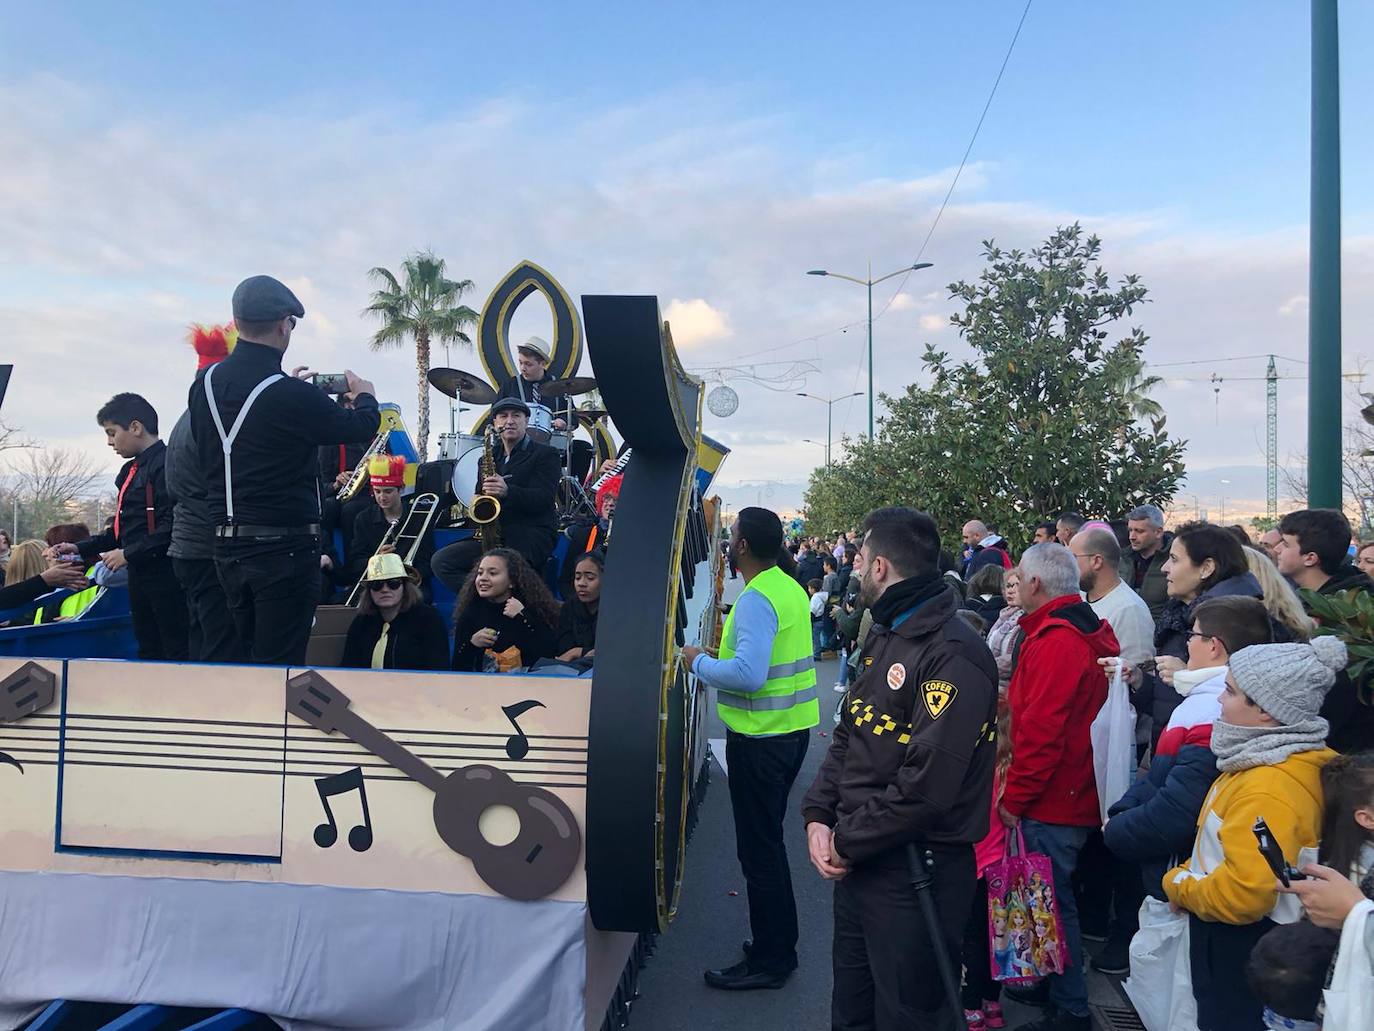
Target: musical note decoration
x: 327, y: 833
x: 536, y: 863
x: 518, y: 745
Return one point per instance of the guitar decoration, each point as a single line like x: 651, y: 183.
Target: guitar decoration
x: 29, y: 688
x: 535, y: 864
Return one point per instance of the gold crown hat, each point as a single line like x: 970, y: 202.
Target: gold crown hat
x: 387, y: 566
x: 387, y: 470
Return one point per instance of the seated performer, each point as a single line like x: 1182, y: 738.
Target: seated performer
x: 589, y: 536
x: 394, y: 628
x: 505, y: 616
x: 337, y: 462
x: 387, y: 475
x: 577, y: 618
x: 526, y: 483
x: 532, y: 359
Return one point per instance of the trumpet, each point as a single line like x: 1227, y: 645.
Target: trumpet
x: 485, y: 509
x: 404, y: 537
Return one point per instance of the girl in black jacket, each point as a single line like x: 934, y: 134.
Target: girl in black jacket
x: 577, y: 620
x: 394, y: 628
x: 503, y: 605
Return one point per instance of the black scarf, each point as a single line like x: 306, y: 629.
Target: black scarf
x: 907, y: 594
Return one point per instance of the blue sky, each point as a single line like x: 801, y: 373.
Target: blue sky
x: 706, y: 152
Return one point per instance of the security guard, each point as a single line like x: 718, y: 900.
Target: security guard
x: 257, y: 431
x: 765, y: 681
x: 910, y: 762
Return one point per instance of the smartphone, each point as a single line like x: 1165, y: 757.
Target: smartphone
x: 331, y: 382
x: 1273, y: 854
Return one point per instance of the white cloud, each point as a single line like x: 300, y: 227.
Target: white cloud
x: 120, y: 228
x: 695, y: 321
x: 1295, y: 305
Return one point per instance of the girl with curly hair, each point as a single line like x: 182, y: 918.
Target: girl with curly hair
x: 503, y: 606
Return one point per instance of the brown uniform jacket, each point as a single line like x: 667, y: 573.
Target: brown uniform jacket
x: 913, y: 755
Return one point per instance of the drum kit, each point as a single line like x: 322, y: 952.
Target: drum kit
x: 464, y: 450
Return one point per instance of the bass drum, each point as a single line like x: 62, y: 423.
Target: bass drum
x: 540, y: 428
x: 465, y: 471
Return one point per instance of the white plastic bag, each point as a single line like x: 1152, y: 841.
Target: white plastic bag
x: 1161, y: 982
x: 1113, y: 741
x: 1350, y: 999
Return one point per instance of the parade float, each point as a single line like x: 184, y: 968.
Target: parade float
x: 211, y: 846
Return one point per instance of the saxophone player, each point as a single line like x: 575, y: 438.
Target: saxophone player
x: 387, y: 474
x: 526, y: 483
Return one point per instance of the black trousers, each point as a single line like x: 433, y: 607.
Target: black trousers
x: 159, y: 611
x: 761, y: 773
x: 886, y: 978
x: 212, y: 636
x: 1109, y: 891
x: 271, y: 589
x: 1217, y: 954
x: 452, y: 563
x: 978, y: 981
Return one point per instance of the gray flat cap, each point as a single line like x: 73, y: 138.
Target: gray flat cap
x: 264, y: 299
x: 509, y: 404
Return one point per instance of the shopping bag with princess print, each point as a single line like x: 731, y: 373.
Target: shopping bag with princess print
x: 1025, y: 935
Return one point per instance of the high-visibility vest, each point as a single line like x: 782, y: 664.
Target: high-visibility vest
x: 787, y: 700
x: 75, y: 604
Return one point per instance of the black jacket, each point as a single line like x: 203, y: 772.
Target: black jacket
x: 330, y: 465
x: 276, y: 471
x: 143, y: 535
x: 532, y: 473
x: 193, y: 535
x: 369, y: 529
x: 532, y: 636
x: 1352, y: 721
x: 809, y: 568
x: 417, y: 640
x: 914, y: 761
x: 576, y: 628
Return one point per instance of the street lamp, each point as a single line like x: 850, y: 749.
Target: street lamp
x: 829, y: 403
x: 1226, y: 483
x: 869, y: 282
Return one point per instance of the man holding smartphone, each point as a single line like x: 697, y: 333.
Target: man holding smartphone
x: 257, y: 434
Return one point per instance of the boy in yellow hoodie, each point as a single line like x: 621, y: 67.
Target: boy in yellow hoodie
x: 1270, y: 746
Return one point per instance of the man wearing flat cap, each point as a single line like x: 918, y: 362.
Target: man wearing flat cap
x: 257, y: 431
x: 526, y: 481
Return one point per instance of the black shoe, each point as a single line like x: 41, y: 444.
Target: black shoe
x: 1057, y: 1020
x: 1115, y: 958
x: 739, y: 978
x: 1037, y: 994
x: 1094, y: 932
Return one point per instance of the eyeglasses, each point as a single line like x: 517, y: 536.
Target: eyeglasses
x: 291, y: 319
x: 386, y: 585
x: 1206, y: 637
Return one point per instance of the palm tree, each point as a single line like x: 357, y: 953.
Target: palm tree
x: 425, y: 308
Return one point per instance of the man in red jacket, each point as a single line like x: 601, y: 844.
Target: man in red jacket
x: 1051, y: 793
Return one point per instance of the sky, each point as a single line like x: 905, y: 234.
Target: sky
x: 155, y: 154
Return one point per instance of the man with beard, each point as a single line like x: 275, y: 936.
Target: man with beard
x: 911, y: 763
x: 765, y: 682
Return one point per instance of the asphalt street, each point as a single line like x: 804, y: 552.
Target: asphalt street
x: 713, y: 919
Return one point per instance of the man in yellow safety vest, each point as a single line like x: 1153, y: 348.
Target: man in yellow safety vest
x: 765, y: 681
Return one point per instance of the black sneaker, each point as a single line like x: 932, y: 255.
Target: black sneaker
x: 1115, y: 957
x: 1057, y: 1020
x: 1036, y: 994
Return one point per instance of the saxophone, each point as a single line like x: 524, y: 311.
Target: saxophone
x: 485, y: 509
x: 390, y: 419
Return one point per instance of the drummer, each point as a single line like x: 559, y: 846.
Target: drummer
x: 532, y: 359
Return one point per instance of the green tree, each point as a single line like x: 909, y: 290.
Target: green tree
x: 426, y: 309
x: 1047, y: 415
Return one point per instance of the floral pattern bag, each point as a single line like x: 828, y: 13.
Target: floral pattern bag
x: 1025, y: 934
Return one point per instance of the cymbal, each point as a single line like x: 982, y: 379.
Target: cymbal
x: 570, y: 387
x: 462, y: 385
x: 590, y: 414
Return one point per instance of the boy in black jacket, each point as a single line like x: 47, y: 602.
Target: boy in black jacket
x: 142, y: 529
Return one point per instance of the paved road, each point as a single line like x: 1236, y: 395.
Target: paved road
x: 712, y: 922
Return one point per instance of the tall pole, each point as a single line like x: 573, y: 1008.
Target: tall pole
x: 870, y: 350
x: 1271, y: 441
x: 1324, y: 267
x: 829, y: 418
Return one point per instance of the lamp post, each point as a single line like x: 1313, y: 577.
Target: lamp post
x: 869, y: 283
x: 830, y: 403
x: 1224, y: 483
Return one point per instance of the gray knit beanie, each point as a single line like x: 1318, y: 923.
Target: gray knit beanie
x: 1289, y: 681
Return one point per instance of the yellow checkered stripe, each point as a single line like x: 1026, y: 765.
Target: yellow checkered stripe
x: 879, y: 723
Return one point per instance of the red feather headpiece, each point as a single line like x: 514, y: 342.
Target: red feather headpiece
x: 212, y: 343
x: 609, y: 489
